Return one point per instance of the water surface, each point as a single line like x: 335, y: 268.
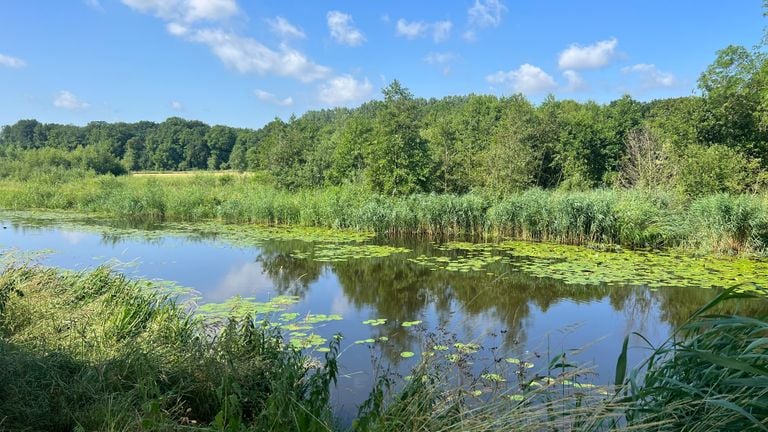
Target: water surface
x: 509, y: 313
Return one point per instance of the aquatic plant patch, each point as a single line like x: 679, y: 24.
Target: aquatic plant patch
x: 589, y: 266
x: 344, y: 252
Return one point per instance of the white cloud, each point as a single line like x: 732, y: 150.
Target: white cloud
x: 469, y: 36
x: 266, y: 96
x: 441, y: 30
x: 177, y: 106
x: 242, y: 54
x: 186, y: 10
x: 592, y: 56
x: 575, y: 81
x: 442, y: 60
x: 342, y: 29
x: 411, y: 30
x: 344, y: 89
x: 177, y: 29
x: 248, y: 55
x: 11, y: 62
x: 525, y: 79
x: 67, y: 100
x: 486, y: 13
x: 281, y: 27
x: 650, y: 76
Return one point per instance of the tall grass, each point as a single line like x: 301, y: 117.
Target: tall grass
x: 633, y: 218
x: 712, y: 374
x: 94, y: 351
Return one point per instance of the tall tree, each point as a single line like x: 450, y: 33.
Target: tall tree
x: 398, y: 162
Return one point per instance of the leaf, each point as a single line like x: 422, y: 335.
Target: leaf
x: 621, y: 364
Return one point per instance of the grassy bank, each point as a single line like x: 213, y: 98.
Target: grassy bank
x: 633, y: 218
x: 95, y: 351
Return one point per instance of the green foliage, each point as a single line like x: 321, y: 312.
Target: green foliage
x: 458, y: 144
x: 710, y: 375
x: 399, y: 159
x: 713, y: 169
x: 99, y: 352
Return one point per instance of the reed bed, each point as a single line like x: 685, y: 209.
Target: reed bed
x: 722, y: 223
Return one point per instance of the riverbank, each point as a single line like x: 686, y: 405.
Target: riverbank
x: 96, y: 351
x: 719, y: 224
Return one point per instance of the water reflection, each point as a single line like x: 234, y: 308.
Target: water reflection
x: 497, y: 307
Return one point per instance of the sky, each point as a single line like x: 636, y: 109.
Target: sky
x: 244, y: 62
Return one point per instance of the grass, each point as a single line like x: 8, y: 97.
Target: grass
x: 712, y: 374
x: 721, y: 224
x: 95, y: 351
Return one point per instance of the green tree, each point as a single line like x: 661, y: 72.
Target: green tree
x: 513, y: 158
x: 220, y: 141
x: 398, y: 160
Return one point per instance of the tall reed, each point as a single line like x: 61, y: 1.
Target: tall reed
x: 730, y: 224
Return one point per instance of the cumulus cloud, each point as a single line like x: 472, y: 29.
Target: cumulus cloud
x: 650, y: 76
x: 525, y: 79
x: 247, y: 55
x: 281, y: 27
x: 186, y: 10
x: 11, y: 62
x: 440, y: 30
x: 411, y: 30
x: 266, y: 96
x: 594, y: 56
x: 66, y: 100
x: 177, y: 106
x: 343, y: 30
x: 177, y: 29
x: 486, y: 13
x: 442, y: 60
x: 344, y: 89
x: 575, y: 81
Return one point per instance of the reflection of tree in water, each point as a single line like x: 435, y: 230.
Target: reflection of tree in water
x: 291, y: 276
x: 400, y: 290
x: 678, y: 304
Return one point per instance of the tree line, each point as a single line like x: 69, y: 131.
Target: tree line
x: 716, y: 140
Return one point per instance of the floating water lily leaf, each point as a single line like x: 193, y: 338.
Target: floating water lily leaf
x: 288, y: 316
x: 410, y: 323
x: 364, y: 341
x: 303, y: 342
x: 440, y: 348
x: 343, y: 252
x: 406, y: 354
x: 492, y: 377
x: 375, y: 322
x: 512, y: 360
x: 466, y: 348
x: 318, y: 318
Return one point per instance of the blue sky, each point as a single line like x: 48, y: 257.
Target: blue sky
x: 243, y: 62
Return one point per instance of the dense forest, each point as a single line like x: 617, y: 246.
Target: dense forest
x: 713, y: 141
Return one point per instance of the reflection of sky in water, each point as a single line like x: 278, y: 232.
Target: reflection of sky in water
x: 544, y: 324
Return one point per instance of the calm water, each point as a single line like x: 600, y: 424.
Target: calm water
x: 508, y: 312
